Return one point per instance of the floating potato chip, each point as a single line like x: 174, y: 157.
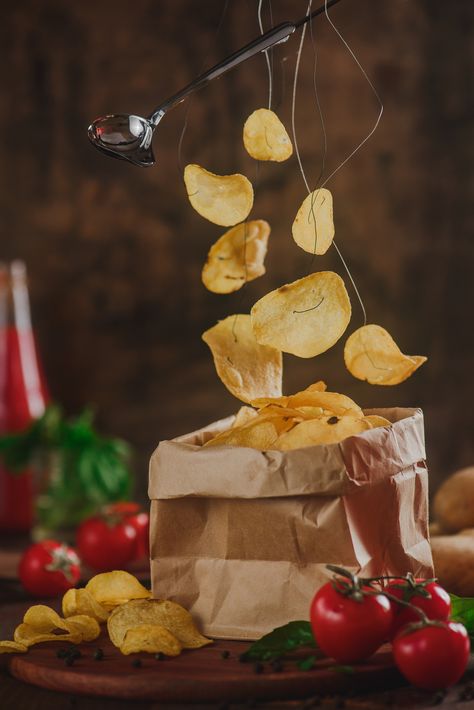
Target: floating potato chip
x: 168, y: 614
x: 237, y: 257
x: 371, y: 354
x: 256, y: 435
x: 117, y: 587
x: 243, y: 416
x: 265, y: 137
x: 304, y: 318
x: 85, y: 625
x: 246, y: 368
x: 222, y: 199
x: 12, y: 647
x: 375, y: 421
x: 315, y: 432
x: 80, y: 601
x: 29, y: 636
x: 44, y: 619
x: 150, y: 638
x: 313, y: 228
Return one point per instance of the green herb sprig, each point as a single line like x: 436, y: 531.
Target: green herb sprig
x: 84, y: 469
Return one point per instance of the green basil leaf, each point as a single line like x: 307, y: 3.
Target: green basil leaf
x: 286, y: 638
x: 462, y: 610
x: 307, y: 663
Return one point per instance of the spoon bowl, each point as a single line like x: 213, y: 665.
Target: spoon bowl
x: 124, y: 136
x: 128, y: 137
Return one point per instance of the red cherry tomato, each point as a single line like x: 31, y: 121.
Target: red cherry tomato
x: 141, y: 523
x: 139, y: 520
x: 437, y: 606
x: 106, y: 542
x: 346, y: 629
x: 432, y: 657
x: 48, y: 569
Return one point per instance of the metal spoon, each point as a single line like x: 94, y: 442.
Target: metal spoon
x: 128, y: 137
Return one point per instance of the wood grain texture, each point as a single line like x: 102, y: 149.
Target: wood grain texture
x: 115, y: 252
x: 195, y: 676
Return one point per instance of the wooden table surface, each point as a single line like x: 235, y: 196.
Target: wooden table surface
x: 21, y: 696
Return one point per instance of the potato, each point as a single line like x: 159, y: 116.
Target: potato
x: 454, y: 501
x: 436, y: 529
x: 453, y: 557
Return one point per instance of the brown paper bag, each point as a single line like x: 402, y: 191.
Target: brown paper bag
x: 241, y: 537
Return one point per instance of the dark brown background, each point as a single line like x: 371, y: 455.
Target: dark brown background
x: 114, y: 252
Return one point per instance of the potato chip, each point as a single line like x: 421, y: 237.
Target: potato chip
x: 222, y: 199
x: 319, y: 386
x: 310, y: 412
x: 243, y: 416
x: 12, y: 647
x: 315, y: 432
x: 371, y: 354
x: 29, y: 636
x: 80, y: 601
x: 313, y: 228
x: 117, y: 587
x: 304, y: 318
x: 168, y: 614
x: 237, y: 257
x: 150, y: 638
x: 275, y: 410
x: 332, y: 402
x: 255, y: 435
x: 85, y: 625
x: 44, y: 619
x: 375, y: 421
x: 261, y: 402
x: 265, y: 137
x: 248, y: 369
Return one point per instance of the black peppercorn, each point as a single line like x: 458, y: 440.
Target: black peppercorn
x: 225, y: 654
x: 98, y: 654
x: 333, y: 420
x: 159, y: 656
x: 136, y: 663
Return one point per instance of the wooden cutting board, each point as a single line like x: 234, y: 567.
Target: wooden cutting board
x: 196, y: 676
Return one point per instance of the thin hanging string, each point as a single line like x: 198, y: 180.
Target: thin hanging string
x: 269, y: 62
x: 267, y: 57
x: 293, y: 102
x: 353, y: 152
x: 293, y: 128
x: 325, y: 138
x: 374, y: 91
x: 243, y: 294
x: 191, y: 99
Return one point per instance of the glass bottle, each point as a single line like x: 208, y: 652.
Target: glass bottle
x: 23, y: 391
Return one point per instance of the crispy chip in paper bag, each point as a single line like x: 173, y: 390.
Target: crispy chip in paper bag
x: 241, y: 537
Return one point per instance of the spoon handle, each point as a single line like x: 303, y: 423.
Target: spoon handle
x: 280, y: 33
x: 277, y: 34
